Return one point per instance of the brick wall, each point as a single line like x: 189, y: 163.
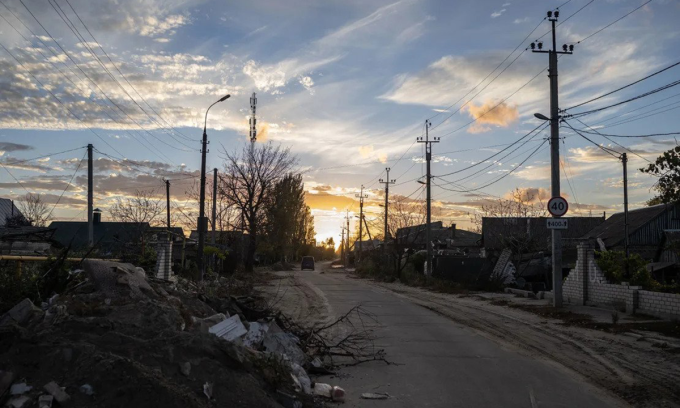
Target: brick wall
x: 587, y: 285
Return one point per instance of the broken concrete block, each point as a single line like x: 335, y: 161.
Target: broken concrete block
x: 45, y: 401
x: 229, y: 329
x: 19, y: 402
x: 255, y: 335
x: 285, y: 344
x: 204, y: 325
x: 185, y: 368
x: 116, y: 279
x: 20, y: 388
x: 322, y: 390
x: 375, y: 395
x: 302, y: 378
x: 60, y: 395
x: 21, y: 313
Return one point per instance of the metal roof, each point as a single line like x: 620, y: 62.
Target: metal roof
x: 7, y: 209
x: 611, y: 232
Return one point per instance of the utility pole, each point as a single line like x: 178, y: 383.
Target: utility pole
x: 342, y: 244
x: 361, y: 217
x: 554, y: 150
x: 167, y: 203
x: 386, y: 182
x: 347, y: 251
x: 253, y: 120
x: 428, y: 225
x: 624, y: 160
x: 214, y: 209
x: 90, y: 199
x: 202, y: 227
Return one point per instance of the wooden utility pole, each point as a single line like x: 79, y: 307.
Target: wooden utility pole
x: 90, y: 197
x: 554, y: 151
x: 361, y: 216
x: 428, y: 225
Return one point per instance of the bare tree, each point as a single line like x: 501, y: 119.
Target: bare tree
x: 407, y: 217
x: 249, y: 177
x: 227, y: 217
x: 35, y: 210
x: 143, y: 207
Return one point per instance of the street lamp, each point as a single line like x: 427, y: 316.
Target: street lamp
x: 541, y: 116
x: 201, y: 212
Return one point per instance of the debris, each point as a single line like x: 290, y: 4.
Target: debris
x: 20, y: 388
x: 204, y: 325
x: 288, y: 401
x: 56, y: 391
x: 375, y: 395
x: 302, y: 378
x: 185, y: 368
x: 19, y: 402
x: 316, y: 363
x: 117, y: 280
x: 45, y: 401
x: 229, y: 329
x: 20, y: 313
x: 6, y: 378
x: 278, y: 341
x: 323, y: 390
x: 255, y: 335
x: 208, y: 390
x: 87, y: 389
x: 338, y: 394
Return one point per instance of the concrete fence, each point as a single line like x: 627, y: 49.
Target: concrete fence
x: 587, y: 285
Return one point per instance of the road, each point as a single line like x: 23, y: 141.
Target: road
x: 441, y: 363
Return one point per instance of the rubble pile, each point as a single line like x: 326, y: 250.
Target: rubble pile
x: 116, y: 337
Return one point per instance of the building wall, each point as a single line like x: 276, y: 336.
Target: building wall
x: 587, y: 285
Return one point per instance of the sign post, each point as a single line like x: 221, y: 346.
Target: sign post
x: 557, y: 206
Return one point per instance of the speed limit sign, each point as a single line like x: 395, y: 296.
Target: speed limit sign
x: 558, y: 206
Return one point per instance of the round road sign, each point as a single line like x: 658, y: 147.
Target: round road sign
x: 558, y: 206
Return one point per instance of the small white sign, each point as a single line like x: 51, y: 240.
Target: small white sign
x: 558, y: 223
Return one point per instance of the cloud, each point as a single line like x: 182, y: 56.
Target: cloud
x: 366, y: 151
x: 530, y: 195
x: 498, y: 13
x: 255, y: 31
x: 13, y: 147
x: 491, y: 113
x: 307, y: 82
x: 153, y: 26
x: 521, y: 20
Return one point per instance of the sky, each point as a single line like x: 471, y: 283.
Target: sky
x: 346, y: 84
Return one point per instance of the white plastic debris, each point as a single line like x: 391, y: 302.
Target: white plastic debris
x: 255, y: 335
x: 45, y: 401
x: 323, y: 390
x: 19, y: 388
x: 56, y: 391
x: 277, y: 341
x: 87, y: 389
x: 208, y: 390
x: 375, y: 395
x: 229, y: 329
x: 302, y: 377
x: 338, y: 394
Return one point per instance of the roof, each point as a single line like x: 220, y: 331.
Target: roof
x: 463, y: 238
x: 497, y: 230
x: 7, y: 209
x: 452, y: 236
x: 177, y: 232
x: 226, y: 235
x: 26, y: 233
x: 611, y: 232
x: 107, y: 234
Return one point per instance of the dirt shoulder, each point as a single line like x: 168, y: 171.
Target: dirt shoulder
x: 634, y: 367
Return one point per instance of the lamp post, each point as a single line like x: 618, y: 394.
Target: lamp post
x: 201, y: 212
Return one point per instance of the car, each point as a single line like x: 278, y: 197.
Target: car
x: 307, y: 263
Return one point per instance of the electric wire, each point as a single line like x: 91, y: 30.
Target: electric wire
x: 67, y: 186
x: 613, y: 22
x: 616, y: 143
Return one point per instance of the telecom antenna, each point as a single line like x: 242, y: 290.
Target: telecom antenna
x: 253, y: 120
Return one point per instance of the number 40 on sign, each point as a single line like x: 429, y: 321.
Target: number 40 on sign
x: 558, y: 206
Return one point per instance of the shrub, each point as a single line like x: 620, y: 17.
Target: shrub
x: 617, y: 268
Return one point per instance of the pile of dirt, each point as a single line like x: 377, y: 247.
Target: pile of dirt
x: 115, y: 338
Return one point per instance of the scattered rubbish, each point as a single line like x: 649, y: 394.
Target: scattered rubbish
x: 56, y: 391
x: 204, y: 325
x: 19, y: 402
x: 87, y: 389
x: 296, y: 383
x: 208, y: 390
x: 255, y: 335
x: 375, y: 395
x: 316, y: 363
x: 229, y: 329
x: 302, y: 378
x: 20, y: 388
x: 45, y: 401
x: 323, y: 390
x: 185, y: 368
x: 20, y: 313
x: 338, y: 394
x: 278, y: 341
x: 287, y: 400
x: 316, y: 367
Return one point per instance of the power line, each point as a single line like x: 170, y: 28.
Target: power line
x: 46, y: 155
x: 625, y: 86
x: 616, y: 143
x: 566, y: 19
x: 628, y: 136
x: 619, y: 116
x: 15, y: 179
x: 643, y: 116
x: 613, y: 22
x: 604, y: 149
x: 67, y: 185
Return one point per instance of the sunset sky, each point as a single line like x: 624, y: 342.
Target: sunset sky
x: 346, y: 84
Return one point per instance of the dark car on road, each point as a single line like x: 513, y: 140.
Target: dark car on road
x: 307, y: 263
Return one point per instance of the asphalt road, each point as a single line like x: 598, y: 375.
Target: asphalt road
x: 442, y: 363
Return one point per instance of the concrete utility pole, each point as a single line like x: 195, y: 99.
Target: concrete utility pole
x: 202, y: 224
x: 214, y: 209
x: 428, y: 225
x: 624, y: 160
x: 347, y: 251
x: 90, y: 199
x: 253, y: 120
x: 342, y: 244
x: 554, y: 151
x: 167, y: 203
x: 361, y: 217
x: 386, y: 182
